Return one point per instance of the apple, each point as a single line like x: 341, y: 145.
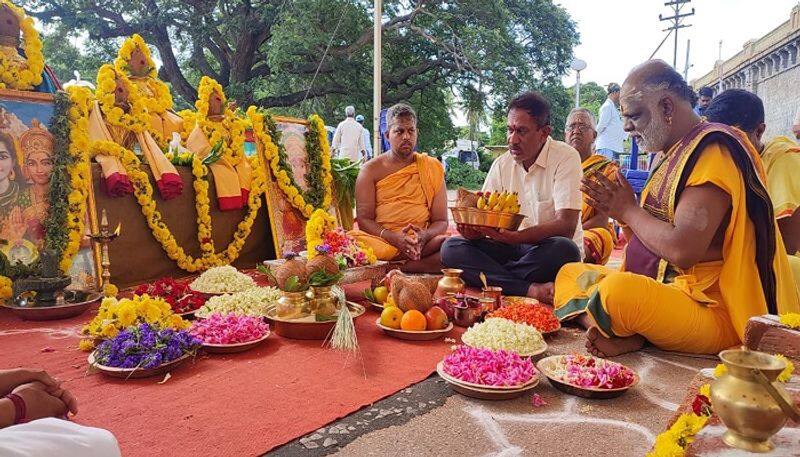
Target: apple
x: 436, y: 318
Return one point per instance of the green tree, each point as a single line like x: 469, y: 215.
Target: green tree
x: 299, y: 56
x: 592, y: 96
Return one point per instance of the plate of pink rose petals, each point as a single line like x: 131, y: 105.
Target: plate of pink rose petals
x: 488, y: 374
x: 588, y: 376
x: 230, y: 333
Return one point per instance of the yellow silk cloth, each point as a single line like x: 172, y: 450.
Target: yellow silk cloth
x: 781, y: 158
x: 166, y: 176
x: 598, y: 241
x: 401, y: 198
x: 232, y: 183
x: 705, y: 308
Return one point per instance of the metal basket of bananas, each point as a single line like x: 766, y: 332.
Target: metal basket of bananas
x: 495, y: 209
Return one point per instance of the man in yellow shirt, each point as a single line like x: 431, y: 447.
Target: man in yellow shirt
x: 745, y: 111
x: 705, y: 255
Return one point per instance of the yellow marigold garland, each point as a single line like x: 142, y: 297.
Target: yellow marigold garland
x: 137, y: 119
x: 143, y: 191
x: 161, y: 99
x: 271, y: 153
x: 80, y: 178
x: 319, y: 223
x: 791, y: 320
x: 230, y: 129
x: 674, y: 441
x: 12, y: 77
x: 123, y: 61
x: 5, y: 288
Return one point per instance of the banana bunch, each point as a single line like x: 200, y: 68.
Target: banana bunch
x: 499, y: 202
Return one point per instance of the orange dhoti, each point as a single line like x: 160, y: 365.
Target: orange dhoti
x: 402, y: 198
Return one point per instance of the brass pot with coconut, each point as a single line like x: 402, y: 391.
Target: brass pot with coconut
x: 323, y: 274
x: 291, y: 279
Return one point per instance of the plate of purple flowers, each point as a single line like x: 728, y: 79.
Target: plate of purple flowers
x: 143, y: 350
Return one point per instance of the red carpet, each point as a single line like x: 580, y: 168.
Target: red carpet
x: 225, y: 405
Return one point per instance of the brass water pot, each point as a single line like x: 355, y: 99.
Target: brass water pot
x: 324, y: 301
x: 749, y: 401
x: 450, y: 284
x: 293, y: 305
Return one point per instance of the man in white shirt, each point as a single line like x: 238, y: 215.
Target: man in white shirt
x: 610, y: 134
x: 33, y: 411
x: 367, y: 139
x: 348, y: 141
x: 546, y: 174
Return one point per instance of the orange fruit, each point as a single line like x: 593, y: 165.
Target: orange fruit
x: 391, y: 317
x: 413, y: 320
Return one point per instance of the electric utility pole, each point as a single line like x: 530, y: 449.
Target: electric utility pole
x: 676, y: 21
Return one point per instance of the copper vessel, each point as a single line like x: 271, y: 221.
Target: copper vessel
x: 293, y: 305
x: 749, y: 401
x: 450, y: 284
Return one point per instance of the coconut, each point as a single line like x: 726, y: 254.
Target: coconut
x: 294, y: 266
x: 396, y: 284
x: 415, y: 295
x: 321, y: 262
x: 466, y: 198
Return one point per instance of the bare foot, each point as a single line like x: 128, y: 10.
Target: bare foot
x: 600, y: 346
x: 542, y: 292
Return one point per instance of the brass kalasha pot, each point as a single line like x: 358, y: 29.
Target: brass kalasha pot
x: 749, y: 401
x: 293, y: 305
x: 324, y: 301
x: 450, y: 284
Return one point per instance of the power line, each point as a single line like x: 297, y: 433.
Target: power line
x: 677, y: 23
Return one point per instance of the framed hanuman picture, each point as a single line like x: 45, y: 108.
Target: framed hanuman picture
x: 26, y: 163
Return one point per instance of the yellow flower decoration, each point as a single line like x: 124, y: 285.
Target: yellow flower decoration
x: 230, y: 129
x: 78, y: 116
x: 786, y: 374
x: 23, y: 77
x: 115, y: 315
x: 720, y: 370
x: 5, y: 288
x: 110, y: 290
x: 705, y: 390
x: 674, y: 441
x: 123, y: 61
x: 319, y: 223
x: 136, y: 119
x: 791, y: 320
x: 272, y: 155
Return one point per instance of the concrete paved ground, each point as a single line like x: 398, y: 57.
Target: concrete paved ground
x: 428, y: 419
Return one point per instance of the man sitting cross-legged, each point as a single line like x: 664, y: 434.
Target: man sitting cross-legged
x: 546, y: 175
x: 599, y: 237
x: 401, y: 199
x: 781, y: 156
x: 706, y: 254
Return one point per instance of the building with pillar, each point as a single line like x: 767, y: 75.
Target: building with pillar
x: 769, y: 67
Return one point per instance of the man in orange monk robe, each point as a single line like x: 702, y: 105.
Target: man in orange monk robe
x: 401, y: 199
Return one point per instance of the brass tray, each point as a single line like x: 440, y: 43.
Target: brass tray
x: 135, y: 373
x: 415, y: 335
x: 545, y: 367
x: 50, y: 313
x: 481, y: 218
x: 305, y: 330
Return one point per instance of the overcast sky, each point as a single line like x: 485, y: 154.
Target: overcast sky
x: 616, y: 35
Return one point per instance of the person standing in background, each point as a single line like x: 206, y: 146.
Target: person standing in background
x: 348, y: 141
x: 704, y: 96
x: 367, y: 139
x: 610, y: 134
